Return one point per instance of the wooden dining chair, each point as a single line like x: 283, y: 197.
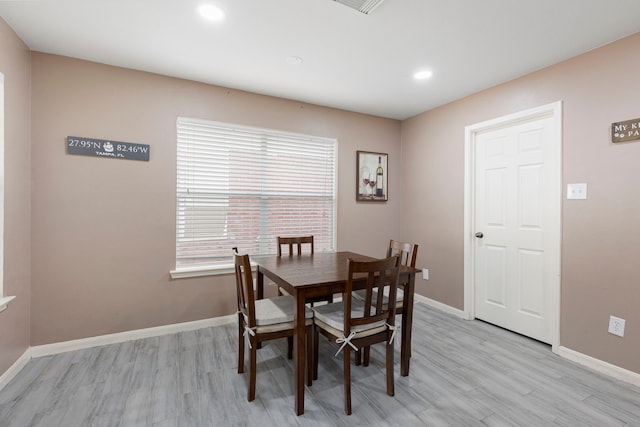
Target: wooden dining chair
x: 408, y: 253
x: 295, y: 245
x: 263, y: 320
x: 355, y: 324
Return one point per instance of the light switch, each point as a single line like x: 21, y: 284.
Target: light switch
x: 577, y: 191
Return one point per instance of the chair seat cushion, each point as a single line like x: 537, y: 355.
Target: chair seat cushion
x: 360, y: 295
x: 332, y: 315
x: 271, y: 311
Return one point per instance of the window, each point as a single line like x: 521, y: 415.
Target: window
x: 243, y: 187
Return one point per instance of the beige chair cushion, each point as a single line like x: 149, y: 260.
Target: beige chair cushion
x: 276, y: 314
x: 331, y: 318
x: 360, y: 295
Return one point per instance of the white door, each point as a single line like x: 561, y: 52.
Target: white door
x: 516, y: 225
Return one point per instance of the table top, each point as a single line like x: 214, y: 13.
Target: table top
x: 304, y: 270
x: 319, y: 269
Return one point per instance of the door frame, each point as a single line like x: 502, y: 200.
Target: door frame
x: 553, y: 110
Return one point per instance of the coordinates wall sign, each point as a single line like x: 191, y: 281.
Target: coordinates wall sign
x: 104, y: 148
x: 628, y: 130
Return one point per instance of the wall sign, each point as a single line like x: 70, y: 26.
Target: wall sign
x: 625, y: 131
x: 103, y: 148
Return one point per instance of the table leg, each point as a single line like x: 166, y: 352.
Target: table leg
x: 407, y: 321
x: 299, y: 349
x: 260, y: 285
x: 260, y: 290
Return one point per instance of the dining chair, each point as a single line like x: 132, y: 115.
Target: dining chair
x: 294, y: 245
x: 294, y: 242
x: 355, y: 324
x: 408, y: 253
x: 263, y: 320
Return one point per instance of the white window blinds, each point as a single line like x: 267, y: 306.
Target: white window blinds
x: 241, y: 186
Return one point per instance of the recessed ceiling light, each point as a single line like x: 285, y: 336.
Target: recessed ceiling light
x: 211, y: 12
x: 423, y: 75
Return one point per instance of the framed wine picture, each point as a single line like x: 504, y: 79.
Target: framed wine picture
x: 372, y: 176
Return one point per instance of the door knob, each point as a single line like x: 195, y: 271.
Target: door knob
x: 479, y: 235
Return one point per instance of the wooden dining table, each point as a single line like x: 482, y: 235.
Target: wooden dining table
x: 312, y: 275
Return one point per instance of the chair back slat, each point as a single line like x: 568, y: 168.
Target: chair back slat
x: 408, y: 252
x: 379, y: 273
x: 296, y: 242
x: 244, y: 287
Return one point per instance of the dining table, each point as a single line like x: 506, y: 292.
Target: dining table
x: 323, y: 273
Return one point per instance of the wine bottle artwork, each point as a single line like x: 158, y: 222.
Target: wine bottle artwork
x: 371, y: 176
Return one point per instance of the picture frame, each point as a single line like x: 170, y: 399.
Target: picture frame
x: 371, y: 186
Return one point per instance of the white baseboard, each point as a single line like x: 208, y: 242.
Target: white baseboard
x: 15, y: 368
x: 439, y: 306
x: 600, y: 366
x: 61, y: 347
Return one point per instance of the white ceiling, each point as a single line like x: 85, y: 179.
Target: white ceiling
x: 351, y: 60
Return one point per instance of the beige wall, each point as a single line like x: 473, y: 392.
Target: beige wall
x: 15, y: 64
x: 104, y: 229
x: 600, y: 236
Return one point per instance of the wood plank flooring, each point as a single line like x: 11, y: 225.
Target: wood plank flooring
x: 463, y: 373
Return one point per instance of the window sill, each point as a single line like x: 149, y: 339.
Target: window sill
x: 4, y: 302
x: 185, y: 273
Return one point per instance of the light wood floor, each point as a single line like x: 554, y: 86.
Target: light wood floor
x: 463, y: 373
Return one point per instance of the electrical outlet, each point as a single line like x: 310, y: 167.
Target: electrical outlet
x: 425, y: 273
x: 616, y: 326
